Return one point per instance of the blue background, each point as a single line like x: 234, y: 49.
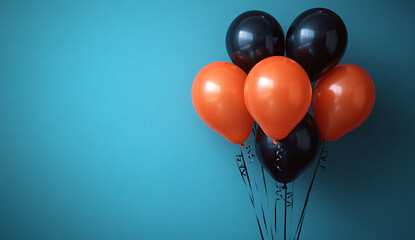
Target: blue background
x: 99, y: 138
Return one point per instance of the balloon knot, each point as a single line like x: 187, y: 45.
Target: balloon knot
x: 323, y: 142
x: 242, y: 145
x: 275, y: 142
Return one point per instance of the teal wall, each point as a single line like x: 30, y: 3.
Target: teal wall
x: 99, y: 138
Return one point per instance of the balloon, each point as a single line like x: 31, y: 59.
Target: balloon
x: 317, y: 40
x: 253, y: 36
x: 293, y: 154
x: 277, y: 95
x: 217, y: 95
x: 342, y: 100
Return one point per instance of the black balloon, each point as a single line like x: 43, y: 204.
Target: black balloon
x: 253, y: 36
x: 286, y: 160
x: 317, y: 40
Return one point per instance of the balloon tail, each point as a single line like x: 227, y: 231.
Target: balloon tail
x: 242, y: 145
x: 275, y: 141
x: 323, y: 142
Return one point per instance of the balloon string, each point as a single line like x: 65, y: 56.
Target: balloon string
x: 265, y: 184
x: 292, y: 207
x: 243, y: 170
x: 275, y: 217
x: 300, y: 223
x: 285, y: 211
x: 263, y: 217
x: 266, y: 195
x: 259, y: 226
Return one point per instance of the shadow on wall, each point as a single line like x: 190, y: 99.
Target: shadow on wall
x: 369, y: 154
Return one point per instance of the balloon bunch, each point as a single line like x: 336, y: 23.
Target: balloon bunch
x: 275, y: 91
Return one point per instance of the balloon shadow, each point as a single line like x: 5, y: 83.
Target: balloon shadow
x: 361, y: 159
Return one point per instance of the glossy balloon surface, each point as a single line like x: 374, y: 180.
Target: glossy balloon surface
x: 342, y: 100
x: 293, y: 154
x: 253, y: 36
x: 217, y: 95
x: 277, y: 95
x: 317, y: 40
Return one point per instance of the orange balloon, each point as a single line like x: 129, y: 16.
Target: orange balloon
x: 277, y: 95
x: 342, y: 100
x: 217, y: 95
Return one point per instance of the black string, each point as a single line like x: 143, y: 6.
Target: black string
x: 247, y: 175
x: 300, y: 223
x: 251, y: 197
x: 244, y: 173
x: 263, y: 217
x: 285, y: 212
x: 259, y: 226
x: 265, y: 184
x: 275, y: 217
x: 292, y: 207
